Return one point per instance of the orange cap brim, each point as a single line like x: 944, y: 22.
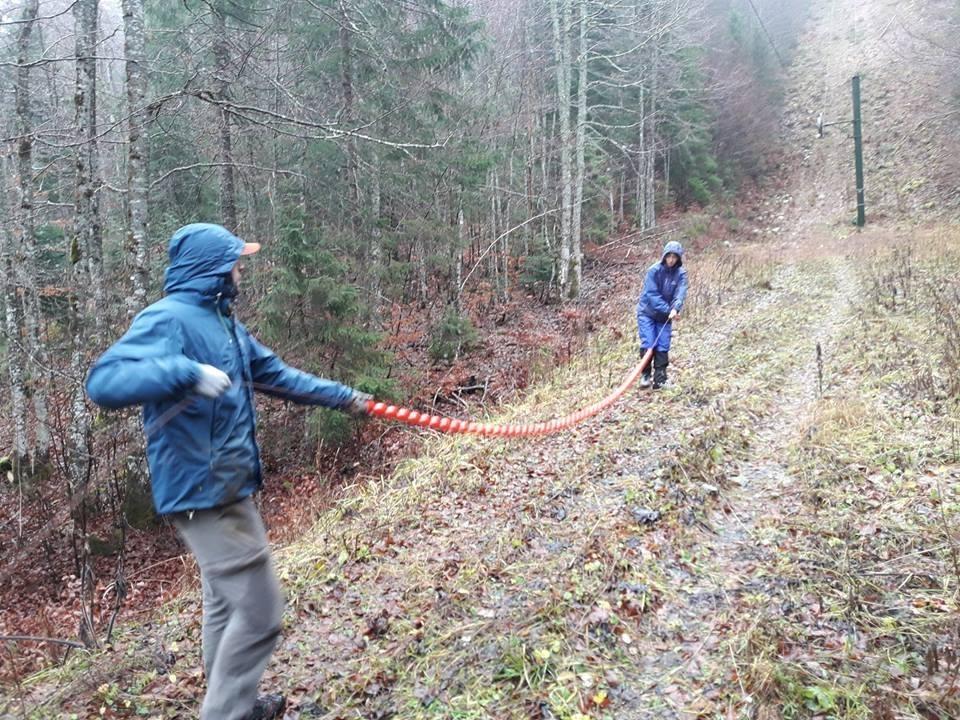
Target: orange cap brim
x: 250, y: 248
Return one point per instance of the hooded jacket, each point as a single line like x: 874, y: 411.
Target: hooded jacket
x: 202, y: 452
x: 664, y: 288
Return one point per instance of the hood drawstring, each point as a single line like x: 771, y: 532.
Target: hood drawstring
x: 223, y: 320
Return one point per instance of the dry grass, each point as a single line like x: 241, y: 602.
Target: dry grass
x: 867, y: 626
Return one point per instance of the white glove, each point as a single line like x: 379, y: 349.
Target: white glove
x: 358, y: 404
x: 213, y: 382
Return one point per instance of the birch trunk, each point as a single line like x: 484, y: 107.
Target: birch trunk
x: 87, y: 261
x: 25, y: 262
x: 346, y: 85
x: 133, y: 21
x: 493, y: 255
x: 228, y: 183
x: 560, y: 15
x: 528, y: 187
x: 506, y: 222
x: 641, y: 195
x: 576, y: 246
x: 87, y: 244
x: 650, y: 152
x: 458, y: 253
x: 15, y: 359
x: 420, y: 251
x: 545, y: 223
x: 375, y: 252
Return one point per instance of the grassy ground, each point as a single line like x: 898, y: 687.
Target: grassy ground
x: 866, y: 624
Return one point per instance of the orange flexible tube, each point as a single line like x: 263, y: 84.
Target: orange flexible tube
x: 445, y: 424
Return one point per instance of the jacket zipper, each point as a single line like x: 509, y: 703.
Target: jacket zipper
x: 223, y: 322
x: 231, y: 337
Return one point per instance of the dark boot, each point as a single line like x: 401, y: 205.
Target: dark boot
x: 645, y: 376
x: 268, y: 707
x: 660, y: 362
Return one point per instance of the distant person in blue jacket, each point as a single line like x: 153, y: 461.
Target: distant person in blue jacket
x: 664, y: 290
x: 194, y: 368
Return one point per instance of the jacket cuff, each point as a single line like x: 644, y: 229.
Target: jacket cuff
x: 188, y: 373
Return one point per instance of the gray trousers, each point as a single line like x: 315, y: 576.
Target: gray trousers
x: 242, y: 603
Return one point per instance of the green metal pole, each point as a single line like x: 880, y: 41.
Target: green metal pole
x: 858, y: 152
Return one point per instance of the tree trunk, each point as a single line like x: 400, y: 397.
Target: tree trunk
x: 351, y: 173
x: 650, y: 186
x: 545, y: 223
x: 641, y: 195
x: 560, y: 14
x: 492, y: 256
x: 228, y: 184
x: 420, y: 252
x: 136, y: 154
x: 507, y: 223
x: 375, y: 252
x: 621, y: 192
x: 86, y: 255
x: 458, y: 253
x: 87, y: 243
x: 25, y: 262
x: 15, y: 355
x: 576, y: 246
x: 528, y: 185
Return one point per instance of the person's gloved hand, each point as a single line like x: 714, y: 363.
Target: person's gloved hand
x: 213, y: 381
x: 357, y: 405
x: 673, y: 314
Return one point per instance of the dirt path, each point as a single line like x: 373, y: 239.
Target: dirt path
x: 734, y: 554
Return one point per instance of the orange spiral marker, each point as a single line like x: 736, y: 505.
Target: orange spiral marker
x: 509, y: 430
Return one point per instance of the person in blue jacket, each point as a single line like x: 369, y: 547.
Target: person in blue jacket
x: 193, y: 367
x: 664, y: 290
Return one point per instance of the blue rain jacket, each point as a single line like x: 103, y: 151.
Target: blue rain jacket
x: 664, y: 289
x: 202, y: 452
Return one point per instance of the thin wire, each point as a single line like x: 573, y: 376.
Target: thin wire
x: 776, y: 52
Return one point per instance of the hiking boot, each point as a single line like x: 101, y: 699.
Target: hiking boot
x: 660, y: 362
x: 645, y: 375
x: 268, y: 707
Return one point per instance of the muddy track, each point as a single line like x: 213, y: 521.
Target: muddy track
x: 733, y: 554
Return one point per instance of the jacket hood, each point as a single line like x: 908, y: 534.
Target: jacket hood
x: 673, y: 247
x: 201, y: 257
